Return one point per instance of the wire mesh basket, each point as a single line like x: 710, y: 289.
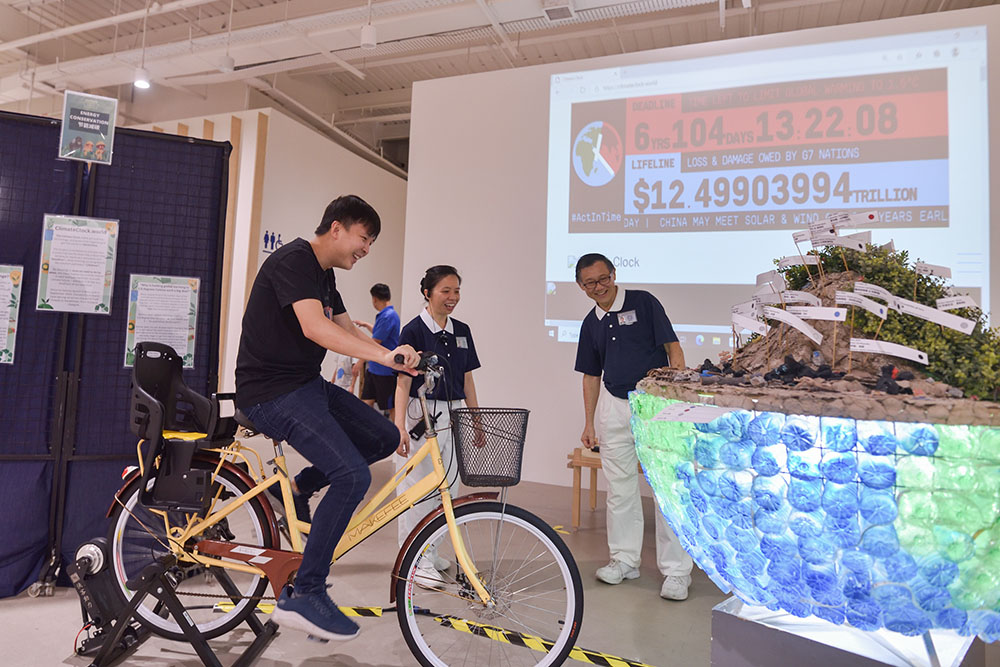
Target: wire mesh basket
x: 489, y: 444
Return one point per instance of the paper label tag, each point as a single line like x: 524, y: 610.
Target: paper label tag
x: 937, y: 316
x: 878, y: 292
x: 768, y: 288
x: 748, y: 308
x: 793, y: 321
x: 743, y: 322
x: 852, y: 299
x: 890, y: 246
x: 800, y: 237
x: 795, y: 296
x: 822, y: 232
x: 842, y: 219
x: 953, y: 302
x: 925, y: 269
x: 249, y: 551
x: 768, y: 277
x: 891, y: 349
x: 260, y: 560
x: 797, y: 260
x: 813, y: 313
x: 691, y: 413
x: 773, y: 297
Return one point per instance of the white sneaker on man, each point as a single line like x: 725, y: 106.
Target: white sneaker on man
x: 440, y: 564
x: 426, y: 575
x: 616, y: 572
x: 675, y: 587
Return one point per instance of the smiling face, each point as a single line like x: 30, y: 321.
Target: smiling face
x: 88, y: 147
x: 599, y: 284
x: 342, y: 247
x: 443, y: 297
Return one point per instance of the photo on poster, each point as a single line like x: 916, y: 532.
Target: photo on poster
x: 88, y: 127
x: 10, y: 294
x: 162, y: 309
x: 77, y: 264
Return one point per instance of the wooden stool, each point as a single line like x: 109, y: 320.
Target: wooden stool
x: 583, y: 458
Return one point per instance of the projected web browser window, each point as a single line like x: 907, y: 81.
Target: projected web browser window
x: 692, y: 175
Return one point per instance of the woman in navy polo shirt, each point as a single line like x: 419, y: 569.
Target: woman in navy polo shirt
x: 434, y: 330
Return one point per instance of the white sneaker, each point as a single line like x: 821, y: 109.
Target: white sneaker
x: 675, y: 587
x: 616, y: 572
x: 426, y: 576
x: 440, y: 563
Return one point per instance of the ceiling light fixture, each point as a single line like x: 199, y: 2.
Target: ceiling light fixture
x: 141, y: 79
x: 368, y: 39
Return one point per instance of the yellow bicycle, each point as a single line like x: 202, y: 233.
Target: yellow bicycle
x: 511, y: 594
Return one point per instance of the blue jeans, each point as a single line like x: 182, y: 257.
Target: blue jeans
x: 341, y: 437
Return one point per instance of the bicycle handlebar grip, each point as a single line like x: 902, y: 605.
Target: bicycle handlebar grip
x: 399, y: 358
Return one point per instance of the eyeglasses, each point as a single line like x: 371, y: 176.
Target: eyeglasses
x: 604, y: 281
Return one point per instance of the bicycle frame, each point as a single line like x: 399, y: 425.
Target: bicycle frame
x: 375, y: 514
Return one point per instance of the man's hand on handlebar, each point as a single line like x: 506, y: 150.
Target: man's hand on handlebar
x: 403, y: 358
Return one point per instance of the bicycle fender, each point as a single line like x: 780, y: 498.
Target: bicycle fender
x: 461, y: 500
x: 208, y: 458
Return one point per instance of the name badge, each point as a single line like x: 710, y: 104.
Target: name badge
x: 627, y: 318
x: 462, y: 342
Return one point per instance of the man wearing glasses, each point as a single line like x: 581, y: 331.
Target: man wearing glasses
x: 623, y: 337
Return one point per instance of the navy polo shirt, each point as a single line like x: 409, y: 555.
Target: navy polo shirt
x: 625, y: 343
x: 386, y: 330
x: 455, y: 350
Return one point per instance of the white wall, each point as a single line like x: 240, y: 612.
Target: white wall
x: 477, y: 199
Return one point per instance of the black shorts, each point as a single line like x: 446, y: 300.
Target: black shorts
x: 379, y: 388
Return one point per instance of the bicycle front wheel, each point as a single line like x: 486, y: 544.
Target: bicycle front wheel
x: 139, y: 536
x: 528, y: 571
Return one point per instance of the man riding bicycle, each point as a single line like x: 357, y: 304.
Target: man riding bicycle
x: 294, y: 315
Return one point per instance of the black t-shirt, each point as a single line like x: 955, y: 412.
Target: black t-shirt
x: 275, y: 357
x: 625, y: 344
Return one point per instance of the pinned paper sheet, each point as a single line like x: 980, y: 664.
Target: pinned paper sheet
x: 878, y: 292
x: 795, y: 296
x: 841, y: 220
x: 853, y: 241
x: 794, y: 322
x: 691, y: 413
x: 743, y: 322
x: 802, y: 236
x: 891, y: 349
x: 953, y: 302
x: 813, y: 313
x: 936, y: 316
x: 797, y: 260
x: 926, y: 269
x: 852, y: 299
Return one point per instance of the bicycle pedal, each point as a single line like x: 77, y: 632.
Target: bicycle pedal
x: 319, y: 640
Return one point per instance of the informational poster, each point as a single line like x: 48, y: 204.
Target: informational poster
x: 88, y: 127
x: 162, y: 309
x: 77, y: 265
x: 10, y: 294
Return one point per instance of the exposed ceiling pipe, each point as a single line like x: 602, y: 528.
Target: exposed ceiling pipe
x: 154, y: 9
x: 488, y: 11
x: 342, y: 137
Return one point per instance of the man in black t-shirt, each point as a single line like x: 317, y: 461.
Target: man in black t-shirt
x: 294, y: 315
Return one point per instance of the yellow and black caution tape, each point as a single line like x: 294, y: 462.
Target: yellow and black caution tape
x: 268, y: 607
x: 535, y: 643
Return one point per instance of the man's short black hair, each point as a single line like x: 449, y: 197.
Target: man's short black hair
x: 348, y: 210
x: 590, y: 259
x: 381, y: 292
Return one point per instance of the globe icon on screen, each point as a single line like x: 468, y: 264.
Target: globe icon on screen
x: 597, y: 153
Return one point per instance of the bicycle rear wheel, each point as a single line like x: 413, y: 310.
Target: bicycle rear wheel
x: 138, y: 536
x: 528, y: 571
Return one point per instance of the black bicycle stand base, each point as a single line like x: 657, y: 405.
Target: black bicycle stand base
x: 152, y: 581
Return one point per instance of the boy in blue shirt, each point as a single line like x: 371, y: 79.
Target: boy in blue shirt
x: 380, y: 382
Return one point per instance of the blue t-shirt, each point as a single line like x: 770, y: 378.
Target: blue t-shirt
x: 455, y: 350
x: 386, y: 330
x: 625, y: 344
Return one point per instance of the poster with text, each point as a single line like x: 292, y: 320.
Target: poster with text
x: 10, y: 294
x: 88, y: 127
x: 77, y: 265
x: 162, y: 309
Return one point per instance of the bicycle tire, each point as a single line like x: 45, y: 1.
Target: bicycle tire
x: 444, y: 622
x: 132, y: 547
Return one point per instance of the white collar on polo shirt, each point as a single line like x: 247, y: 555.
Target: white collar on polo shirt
x: 433, y: 326
x: 615, y: 307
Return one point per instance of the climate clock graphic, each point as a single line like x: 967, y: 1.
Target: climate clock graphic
x: 597, y: 153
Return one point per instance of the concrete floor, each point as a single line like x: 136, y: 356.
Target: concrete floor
x: 629, y: 621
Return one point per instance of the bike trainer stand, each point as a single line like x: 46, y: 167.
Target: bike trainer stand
x: 153, y: 581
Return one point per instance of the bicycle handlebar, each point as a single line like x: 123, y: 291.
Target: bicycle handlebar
x: 428, y: 361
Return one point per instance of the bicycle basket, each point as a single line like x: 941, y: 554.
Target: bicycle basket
x: 489, y: 444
